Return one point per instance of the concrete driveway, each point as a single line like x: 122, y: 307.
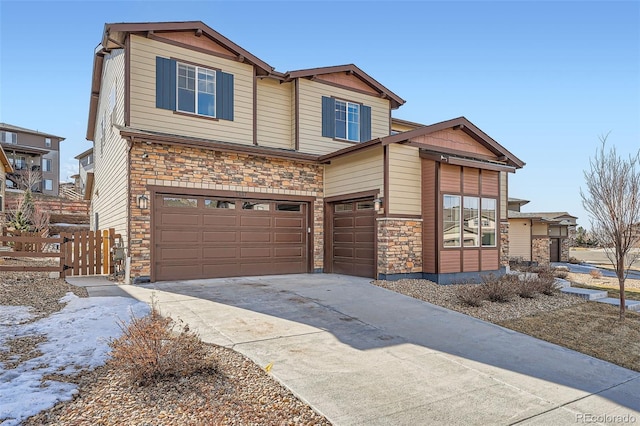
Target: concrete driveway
x: 360, y: 354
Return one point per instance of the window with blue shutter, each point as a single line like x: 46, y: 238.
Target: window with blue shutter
x: 345, y: 120
x: 193, y: 89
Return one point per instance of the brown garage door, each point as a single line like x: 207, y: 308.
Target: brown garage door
x: 211, y: 237
x: 353, y: 246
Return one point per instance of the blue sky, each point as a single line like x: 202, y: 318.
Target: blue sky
x: 543, y: 78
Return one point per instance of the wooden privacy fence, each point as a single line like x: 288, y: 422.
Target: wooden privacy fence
x: 79, y: 253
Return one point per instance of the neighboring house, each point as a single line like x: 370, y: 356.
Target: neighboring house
x: 539, y: 237
x: 210, y: 163
x: 5, y: 167
x: 84, y: 179
x: 31, y: 150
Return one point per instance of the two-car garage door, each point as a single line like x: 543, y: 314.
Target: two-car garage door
x: 208, y: 237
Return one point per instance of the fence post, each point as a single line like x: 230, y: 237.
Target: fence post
x: 105, y: 252
x: 62, y: 250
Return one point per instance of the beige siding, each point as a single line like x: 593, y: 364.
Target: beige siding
x: 404, y: 180
x: 110, y: 190
x: 504, y: 186
x: 145, y: 115
x: 520, y: 239
x: 274, y: 114
x: 354, y: 173
x: 311, y: 93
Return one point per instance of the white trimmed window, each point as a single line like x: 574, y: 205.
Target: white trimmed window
x: 347, y: 121
x: 46, y: 164
x: 196, y: 90
x: 47, y: 142
x: 48, y: 185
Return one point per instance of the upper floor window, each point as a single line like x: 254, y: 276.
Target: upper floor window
x: 46, y: 164
x: 345, y: 120
x: 196, y: 90
x: 47, y: 142
x: 193, y: 89
x: 8, y: 137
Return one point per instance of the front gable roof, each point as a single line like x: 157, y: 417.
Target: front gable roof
x: 116, y: 33
x: 413, y: 138
x: 350, y: 75
x: 497, y: 155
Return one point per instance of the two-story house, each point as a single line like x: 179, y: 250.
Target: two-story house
x: 32, y: 151
x: 211, y: 163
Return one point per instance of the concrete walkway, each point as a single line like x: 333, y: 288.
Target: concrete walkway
x: 360, y: 354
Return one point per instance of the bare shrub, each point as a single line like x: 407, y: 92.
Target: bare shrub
x: 470, y: 294
x: 546, y: 284
x: 525, y: 288
x: 595, y: 273
x: 497, y: 290
x: 153, y: 348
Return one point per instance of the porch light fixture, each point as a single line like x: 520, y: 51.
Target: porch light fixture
x: 143, y: 202
x: 377, y: 203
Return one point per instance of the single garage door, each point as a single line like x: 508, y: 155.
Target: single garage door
x: 353, y: 241
x: 211, y: 237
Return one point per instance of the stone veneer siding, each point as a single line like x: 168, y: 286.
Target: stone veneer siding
x: 399, y: 246
x: 540, y: 250
x: 504, y: 244
x: 177, y: 166
x: 565, y: 243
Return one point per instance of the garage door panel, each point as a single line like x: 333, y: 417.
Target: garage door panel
x: 341, y: 237
x: 178, y: 236
x: 211, y: 220
x: 293, y: 252
x: 179, y: 219
x: 368, y: 221
x: 364, y: 253
x: 289, y: 222
x: 177, y: 252
x: 255, y: 221
x: 255, y: 237
x: 219, y: 252
x: 264, y: 252
x: 362, y: 236
x: 208, y: 242
x: 289, y: 237
x: 219, y: 237
x: 343, y: 252
x: 343, y: 222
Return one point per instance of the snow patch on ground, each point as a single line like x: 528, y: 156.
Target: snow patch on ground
x: 77, y: 339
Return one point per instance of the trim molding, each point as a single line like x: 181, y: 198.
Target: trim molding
x: 352, y: 196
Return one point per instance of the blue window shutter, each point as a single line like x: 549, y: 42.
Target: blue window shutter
x: 224, y: 95
x: 365, y: 123
x: 328, y: 117
x: 165, y: 83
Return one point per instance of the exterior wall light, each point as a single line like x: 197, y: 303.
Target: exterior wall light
x: 377, y: 203
x: 143, y: 202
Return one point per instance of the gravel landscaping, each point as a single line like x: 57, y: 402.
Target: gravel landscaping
x: 445, y: 296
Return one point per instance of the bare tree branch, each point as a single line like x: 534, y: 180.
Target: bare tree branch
x: 612, y: 199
